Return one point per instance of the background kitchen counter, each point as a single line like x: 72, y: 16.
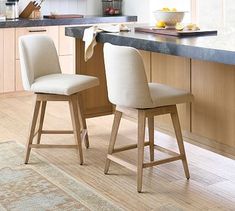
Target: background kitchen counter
x: 220, y: 48
x: 68, y: 21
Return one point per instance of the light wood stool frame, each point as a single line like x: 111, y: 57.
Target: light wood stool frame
x: 142, y: 114
x: 78, y: 122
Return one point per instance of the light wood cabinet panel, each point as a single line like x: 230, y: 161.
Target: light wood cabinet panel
x: 51, y: 31
x: 67, y: 64
x: 66, y: 44
x: 95, y: 99
x: 9, y: 60
x: 146, y: 55
x: 173, y: 71
x: 213, y: 110
x: 18, y: 81
x: 1, y: 60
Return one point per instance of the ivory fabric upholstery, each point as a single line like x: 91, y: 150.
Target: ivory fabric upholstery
x: 127, y: 81
x: 165, y: 95
x: 40, y: 68
x: 63, y: 84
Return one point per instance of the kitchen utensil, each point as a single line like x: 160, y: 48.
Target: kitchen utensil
x: 28, y: 9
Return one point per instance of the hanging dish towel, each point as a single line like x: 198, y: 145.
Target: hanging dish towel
x: 89, y: 36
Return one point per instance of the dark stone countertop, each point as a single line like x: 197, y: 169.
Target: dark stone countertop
x: 67, y: 21
x: 220, y: 48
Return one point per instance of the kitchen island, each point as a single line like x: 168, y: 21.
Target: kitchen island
x: 202, y: 65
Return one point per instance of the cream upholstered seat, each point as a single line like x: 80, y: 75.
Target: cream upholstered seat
x: 41, y: 73
x: 163, y: 95
x: 63, y: 84
x: 129, y: 90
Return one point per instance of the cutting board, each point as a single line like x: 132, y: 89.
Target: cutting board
x: 174, y: 32
x: 63, y: 16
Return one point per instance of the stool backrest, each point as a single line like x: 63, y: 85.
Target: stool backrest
x: 38, y: 57
x: 126, y: 78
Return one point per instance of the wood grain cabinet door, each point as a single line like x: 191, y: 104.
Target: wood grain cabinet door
x: 66, y: 44
x: 66, y: 51
x: 8, y: 60
x: 173, y: 71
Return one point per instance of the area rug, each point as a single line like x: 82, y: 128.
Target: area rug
x: 42, y: 186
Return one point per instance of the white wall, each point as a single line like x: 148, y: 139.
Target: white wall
x: 181, y: 5
x: 94, y: 7
x: 144, y: 8
x: 85, y: 7
x: 137, y: 7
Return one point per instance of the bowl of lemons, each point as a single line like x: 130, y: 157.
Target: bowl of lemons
x: 168, y: 18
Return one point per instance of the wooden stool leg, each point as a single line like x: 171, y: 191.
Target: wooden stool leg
x: 83, y: 120
x: 179, y: 137
x: 76, y: 125
x: 32, y: 130
x: 141, y: 137
x: 116, y: 123
x: 42, y: 115
x: 151, y: 137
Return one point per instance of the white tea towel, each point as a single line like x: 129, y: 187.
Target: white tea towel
x: 90, y: 35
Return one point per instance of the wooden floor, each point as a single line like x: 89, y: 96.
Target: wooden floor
x: 212, y: 183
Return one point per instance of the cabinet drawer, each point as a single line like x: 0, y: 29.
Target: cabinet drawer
x: 51, y: 31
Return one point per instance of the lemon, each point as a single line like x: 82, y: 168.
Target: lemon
x: 160, y: 24
x: 166, y: 9
x: 179, y: 26
x: 193, y: 27
x: 174, y: 10
x: 190, y: 26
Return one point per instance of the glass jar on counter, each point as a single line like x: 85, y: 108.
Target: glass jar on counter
x: 10, y: 10
x: 16, y: 7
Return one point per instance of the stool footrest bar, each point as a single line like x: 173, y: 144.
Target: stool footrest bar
x: 122, y: 162
x: 57, y: 132
x: 158, y: 162
x: 51, y: 146
x: 128, y: 147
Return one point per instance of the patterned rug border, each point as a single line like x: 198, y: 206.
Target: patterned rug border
x: 62, y: 172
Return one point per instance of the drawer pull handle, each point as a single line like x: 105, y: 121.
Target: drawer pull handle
x: 38, y: 30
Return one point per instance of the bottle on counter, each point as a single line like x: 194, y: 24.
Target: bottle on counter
x: 10, y: 10
x: 16, y: 7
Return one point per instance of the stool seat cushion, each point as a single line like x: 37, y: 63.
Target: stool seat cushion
x: 163, y: 95
x: 63, y: 84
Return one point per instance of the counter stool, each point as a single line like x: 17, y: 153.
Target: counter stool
x: 41, y: 74
x: 129, y: 90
